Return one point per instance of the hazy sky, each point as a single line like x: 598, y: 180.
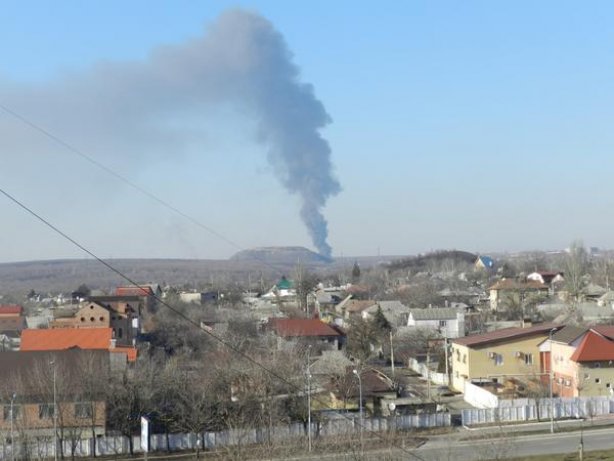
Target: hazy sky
x: 484, y: 126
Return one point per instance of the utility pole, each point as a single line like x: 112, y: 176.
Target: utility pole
x: 391, y: 354
x: 55, y: 414
x: 551, y: 379
x: 360, y: 411
x: 428, y: 371
x: 445, y: 350
x: 12, y: 437
x: 308, y: 398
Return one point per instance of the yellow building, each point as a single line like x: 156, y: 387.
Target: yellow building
x: 499, y: 354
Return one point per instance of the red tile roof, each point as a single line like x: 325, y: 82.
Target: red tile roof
x: 505, y: 334
x: 134, y: 291
x: 64, y: 338
x: 604, y: 330
x: 57, y: 339
x: 11, y: 309
x: 593, y: 348
x: 302, y: 327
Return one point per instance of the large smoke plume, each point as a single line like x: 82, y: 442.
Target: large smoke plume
x: 241, y: 61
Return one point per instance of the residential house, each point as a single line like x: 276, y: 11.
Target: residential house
x: 58, y: 339
x: 549, y: 278
x: 449, y: 322
x: 350, y: 308
x: 485, y: 263
x: 607, y: 299
x: 121, y: 317
x: 395, y: 312
x: 492, y: 356
x: 148, y: 294
x: 307, y: 329
x: 11, y: 318
x: 27, y: 381
x: 582, y: 361
x: 510, y: 291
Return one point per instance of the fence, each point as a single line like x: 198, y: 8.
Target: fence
x: 521, y: 410
x: 39, y: 448
x: 479, y: 397
x: 421, y: 368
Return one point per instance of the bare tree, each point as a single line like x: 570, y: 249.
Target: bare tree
x: 576, y: 265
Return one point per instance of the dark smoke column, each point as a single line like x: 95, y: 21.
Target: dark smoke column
x: 289, y: 116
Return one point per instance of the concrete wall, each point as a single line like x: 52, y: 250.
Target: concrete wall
x: 111, y: 446
x: 479, y: 397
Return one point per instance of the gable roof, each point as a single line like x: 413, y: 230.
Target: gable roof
x: 568, y: 334
x: 486, y: 261
x: 505, y: 334
x: 143, y: 290
x: 355, y: 306
x: 593, y: 348
x: 441, y: 313
x: 511, y: 284
x: 604, y: 330
x: 65, y: 338
x: 295, y: 328
x: 11, y: 309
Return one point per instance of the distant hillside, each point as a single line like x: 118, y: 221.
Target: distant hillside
x: 268, y: 264
x: 427, y: 261
x: 281, y: 255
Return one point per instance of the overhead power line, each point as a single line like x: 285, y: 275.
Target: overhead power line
x: 160, y: 201
x: 177, y: 312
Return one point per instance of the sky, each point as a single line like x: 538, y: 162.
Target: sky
x: 482, y: 126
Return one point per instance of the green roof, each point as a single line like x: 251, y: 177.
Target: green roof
x: 284, y: 284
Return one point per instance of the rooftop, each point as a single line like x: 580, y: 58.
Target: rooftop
x: 11, y: 309
x: 302, y: 328
x: 506, y: 334
x: 65, y: 338
x: 442, y: 313
x: 593, y: 348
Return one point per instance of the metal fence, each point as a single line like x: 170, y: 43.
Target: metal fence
x: 39, y: 448
x: 530, y: 410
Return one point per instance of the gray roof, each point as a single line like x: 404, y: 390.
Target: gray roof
x: 568, y: 334
x: 392, y: 306
x: 435, y: 313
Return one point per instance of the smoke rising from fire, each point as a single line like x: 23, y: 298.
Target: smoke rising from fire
x: 135, y: 107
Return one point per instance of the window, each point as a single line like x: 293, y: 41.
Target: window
x: 464, y: 358
x: 120, y: 332
x: 528, y: 359
x: 101, y: 319
x: 6, y: 412
x: 442, y: 323
x: 45, y: 411
x: 597, y: 380
x: 83, y: 410
x: 597, y: 365
x: 498, y: 359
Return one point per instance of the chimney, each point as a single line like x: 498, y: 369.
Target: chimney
x: 526, y: 323
x: 113, y: 342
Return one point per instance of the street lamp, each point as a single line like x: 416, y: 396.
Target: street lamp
x: 551, y: 379
x: 55, y: 414
x: 308, y: 399
x: 12, y: 438
x: 360, y: 407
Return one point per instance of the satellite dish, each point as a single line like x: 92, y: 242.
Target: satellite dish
x: 391, y: 406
